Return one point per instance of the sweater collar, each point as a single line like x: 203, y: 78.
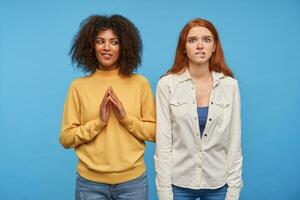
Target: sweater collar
x: 103, y: 73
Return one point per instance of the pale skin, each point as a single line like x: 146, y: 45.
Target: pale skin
x: 200, y: 46
x: 107, y: 50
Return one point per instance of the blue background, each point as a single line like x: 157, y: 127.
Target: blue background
x: 261, y: 44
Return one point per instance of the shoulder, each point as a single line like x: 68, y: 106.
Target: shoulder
x: 139, y: 78
x: 227, y: 80
x: 167, y: 80
x: 230, y: 85
x: 80, y: 82
x: 141, y: 82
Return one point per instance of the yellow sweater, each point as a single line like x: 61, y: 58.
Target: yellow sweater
x: 114, y: 152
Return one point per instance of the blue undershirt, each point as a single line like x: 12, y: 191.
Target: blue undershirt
x: 202, y: 116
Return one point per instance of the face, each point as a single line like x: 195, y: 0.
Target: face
x: 107, y: 49
x: 199, y: 45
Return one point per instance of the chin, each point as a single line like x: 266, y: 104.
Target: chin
x: 107, y: 65
x: 200, y: 62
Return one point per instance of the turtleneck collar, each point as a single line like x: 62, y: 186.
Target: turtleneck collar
x: 103, y: 73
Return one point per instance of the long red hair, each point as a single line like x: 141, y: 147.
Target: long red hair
x: 217, y: 60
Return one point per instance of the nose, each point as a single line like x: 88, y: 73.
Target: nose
x: 200, y: 45
x: 106, y: 46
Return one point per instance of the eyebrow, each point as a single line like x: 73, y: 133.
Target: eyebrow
x: 104, y: 38
x: 205, y: 36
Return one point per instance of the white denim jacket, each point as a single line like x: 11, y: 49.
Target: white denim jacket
x: 182, y: 157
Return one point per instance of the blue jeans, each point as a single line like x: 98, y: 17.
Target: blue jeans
x: 136, y: 189
x: 180, y: 193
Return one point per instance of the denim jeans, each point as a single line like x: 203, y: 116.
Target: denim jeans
x: 180, y: 193
x: 136, y: 189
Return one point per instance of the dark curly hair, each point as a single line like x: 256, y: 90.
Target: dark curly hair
x: 83, y: 48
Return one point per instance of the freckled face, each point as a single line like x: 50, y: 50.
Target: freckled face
x: 200, y: 45
x: 107, y: 49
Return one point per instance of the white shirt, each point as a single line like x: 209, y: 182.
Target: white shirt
x: 182, y: 157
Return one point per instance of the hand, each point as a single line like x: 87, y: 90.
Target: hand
x: 104, y: 107
x: 116, y: 104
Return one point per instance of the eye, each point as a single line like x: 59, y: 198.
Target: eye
x: 99, y: 41
x: 192, y: 40
x: 114, y: 42
x: 207, y: 40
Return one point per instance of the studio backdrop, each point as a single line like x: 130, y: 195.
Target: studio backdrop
x: 260, y: 40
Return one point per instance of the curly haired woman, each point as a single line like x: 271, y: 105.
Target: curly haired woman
x: 110, y: 113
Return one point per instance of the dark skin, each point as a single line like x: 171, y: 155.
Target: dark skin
x: 111, y: 99
x: 130, y: 46
x: 107, y: 45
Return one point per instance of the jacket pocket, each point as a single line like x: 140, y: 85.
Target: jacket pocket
x: 178, y: 108
x: 223, y: 111
x: 222, y: 104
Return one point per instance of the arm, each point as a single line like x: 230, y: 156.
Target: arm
x: 144, y: 127
x: 73, y: 133
x: 235, y: 158
x: 163, y: 154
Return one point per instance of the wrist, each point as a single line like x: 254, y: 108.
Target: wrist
x: 122, y: 116
x: 127, y: 120
x: 104, y: 122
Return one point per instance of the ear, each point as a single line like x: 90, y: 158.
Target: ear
x: 214, y: 49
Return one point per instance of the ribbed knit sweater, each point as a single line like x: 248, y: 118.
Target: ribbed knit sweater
x: 111, y: 152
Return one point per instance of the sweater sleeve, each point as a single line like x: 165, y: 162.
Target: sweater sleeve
x: 163, y: 154
x: 235, y: 158
x: 73, y: 132
x: 143, y: 127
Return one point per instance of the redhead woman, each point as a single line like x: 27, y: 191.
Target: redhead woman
x: 198, y: 151
x: 110, y: 113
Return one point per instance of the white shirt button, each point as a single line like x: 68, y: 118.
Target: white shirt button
x: 201, y: 156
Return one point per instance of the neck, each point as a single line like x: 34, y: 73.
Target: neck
x: 107, y: 73
x: 200, y: 71
x: 107, y: 68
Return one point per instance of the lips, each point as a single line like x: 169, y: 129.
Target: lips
x: 106, y: 55
x: 201, y: 54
